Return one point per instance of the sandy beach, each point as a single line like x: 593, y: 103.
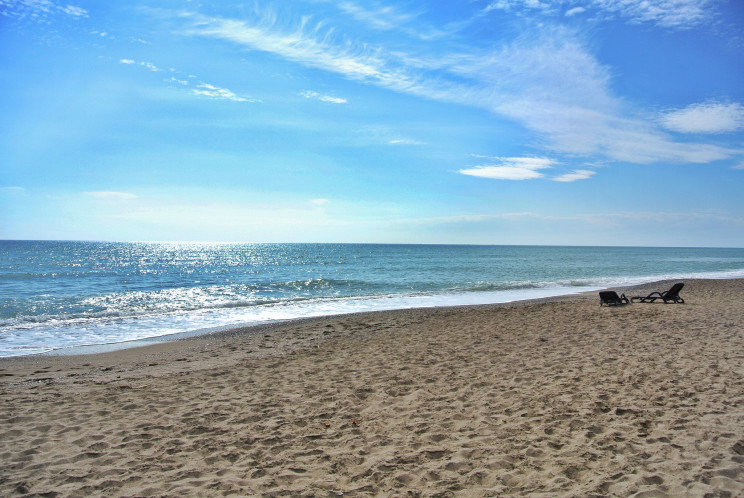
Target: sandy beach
x: 559, y: 397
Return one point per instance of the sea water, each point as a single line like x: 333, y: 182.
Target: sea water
x: 58, y: 295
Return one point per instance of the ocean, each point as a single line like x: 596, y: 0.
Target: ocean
x: 55, y: 296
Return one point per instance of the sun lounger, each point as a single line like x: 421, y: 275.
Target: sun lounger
x: 611, y: 298
x: 670, y: 296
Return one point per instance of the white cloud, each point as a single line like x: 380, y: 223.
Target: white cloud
x: 574, y: 128
x: 666, y: 13
x: 517, y: 4
x: 502, y: 173
x: 381, y: 17
x: 320, y: 202
x: 74, y: 11
x: 709, y: 117
x: 511, y: 168
x: 211, y: 91
x: 678, y: 14
x: 547, y: 80
x: 111, y: 195
x: 311, y: 45
x: 323, y: 98
x: 579, y: 174
x: 150, y: 66
x: 405, y: 141
x: 202, y: 89
x: 38, y: 10
x: 738, y: 166
x: 388, y: 18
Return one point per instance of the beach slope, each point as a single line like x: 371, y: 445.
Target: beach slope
x: 555, y: 397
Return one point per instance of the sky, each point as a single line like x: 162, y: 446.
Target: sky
x: 556, y: 122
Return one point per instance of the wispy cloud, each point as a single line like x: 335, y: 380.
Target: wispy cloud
x: 666, y: 13
x: 547, y: 80
x: 202, y: 89
x: 676, y: 14
x: 323, y: 98
x: 405, y: 141
x: 150, y: 66
x: 112, y: 195
x: 319, y: 202
x: 39, y: 10
x: 379, y: 17
x: 579, y: 174
x: 708, y: 117
x: 74, y: 11
x: 738, y: 166
x: 215, y: 92
x: 521, y: 4
x: 147, y: 65
x: 511, y: 168
x: 575, y: 11
x: 309, y: 44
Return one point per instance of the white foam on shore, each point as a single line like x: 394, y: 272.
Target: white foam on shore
x: 114, y: 334
x: 118, y: 334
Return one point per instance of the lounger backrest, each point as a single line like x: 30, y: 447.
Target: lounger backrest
x: 675, y: 289
x: 609, y: 296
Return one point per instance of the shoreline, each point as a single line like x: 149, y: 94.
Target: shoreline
x: 193, y: 339
x: 549, y: 396
x: 87, y: 349
x: 449, y: 300
x: 368, y: 305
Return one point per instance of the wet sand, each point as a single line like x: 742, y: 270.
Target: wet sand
x: 551, y: 397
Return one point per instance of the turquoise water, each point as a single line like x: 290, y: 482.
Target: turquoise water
x: 62, y: 294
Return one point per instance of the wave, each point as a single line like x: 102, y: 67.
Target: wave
x: 99, y: 310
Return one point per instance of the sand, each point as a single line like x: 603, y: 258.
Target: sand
x: 555, y: 398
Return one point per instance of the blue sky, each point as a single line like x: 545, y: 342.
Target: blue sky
x: 596, y: 122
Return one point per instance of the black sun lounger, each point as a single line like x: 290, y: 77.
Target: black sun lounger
x: 611, y: 298
x: 670, y: 296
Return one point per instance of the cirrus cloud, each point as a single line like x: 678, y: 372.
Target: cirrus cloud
x: 548, y: 81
